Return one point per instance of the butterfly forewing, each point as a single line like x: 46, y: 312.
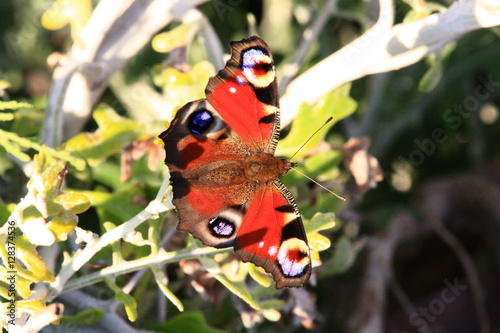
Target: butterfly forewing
x: 245, y: 94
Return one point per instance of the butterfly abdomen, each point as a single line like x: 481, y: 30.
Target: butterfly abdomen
x: 254, y: 168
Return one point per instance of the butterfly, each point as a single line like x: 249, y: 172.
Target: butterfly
x: 224, y: 175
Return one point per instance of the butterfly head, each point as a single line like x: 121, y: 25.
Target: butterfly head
x: 286, y: 166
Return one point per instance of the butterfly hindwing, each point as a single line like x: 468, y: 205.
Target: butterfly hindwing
x: 272, y: 236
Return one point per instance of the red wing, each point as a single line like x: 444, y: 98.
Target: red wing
x: 272, y: 236
x: 245, y: 94
x: 196, y: 143
x: 209, y: 214
x: 197, y: 137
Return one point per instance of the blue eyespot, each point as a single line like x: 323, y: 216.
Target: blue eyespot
x: 252, y: 57
x: 200, y: 121
x: 221, y: 227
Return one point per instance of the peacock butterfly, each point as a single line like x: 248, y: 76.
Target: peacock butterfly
x: 224, y: 175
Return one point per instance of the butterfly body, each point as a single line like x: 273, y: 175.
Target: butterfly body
x: 225, y: 177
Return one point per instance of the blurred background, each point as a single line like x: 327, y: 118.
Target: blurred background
x: 416, y: 247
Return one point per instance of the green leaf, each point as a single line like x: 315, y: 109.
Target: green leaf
x: 318, y: 242
x: 5, y: 210
x: 45, y: 182
x: 433, y: 75
x: 6, y: 116
x: 4, y: 85
x: 236, y: 288
x: 159, y: 278
x: 49, y: 203
x: 336, y: 104
x: 187, y: 322
x: 276, y: 304
x: 14, y: 105
x: 13, y: 144
x: 68, y: 203
x: 33, y: 268
x: 320, y: 221
x: 113, y: 133
x: 259, y: 275
x: 179, y: 87
x: 178, y: 37
x: 210, y: 264
x: 62, y: 225
x: 86, y: 317
x: 116, y: 206
x: 27, y: 122
x: 127, y: 300
x: 62, y: 13
x: 170, y: 295
x: 323, y: 165
x: 31, y: 306
x: 421, y: 10
x: 108, y: 173
x: 343, y: 257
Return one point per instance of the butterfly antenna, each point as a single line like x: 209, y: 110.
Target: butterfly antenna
x: 326, y: 122
x: 324, y: 188
x: 315, y: 182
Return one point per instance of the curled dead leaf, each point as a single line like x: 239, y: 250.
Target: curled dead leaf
x: 303, y: 307
x: 203, y: 282
x: 363, y: 166
x: 135, y: 151
x: 249, y: 316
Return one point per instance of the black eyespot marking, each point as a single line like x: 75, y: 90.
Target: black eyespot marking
x: 240, y: 208
x: 291, y: 230
x: 200, y: 121
x: 223, y: 136
x: 269, y: 119
x: 181, y: 185
x: 266, y: 95
x: 258, y: 67
x: 221, y: 227
x: 285, y: 209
